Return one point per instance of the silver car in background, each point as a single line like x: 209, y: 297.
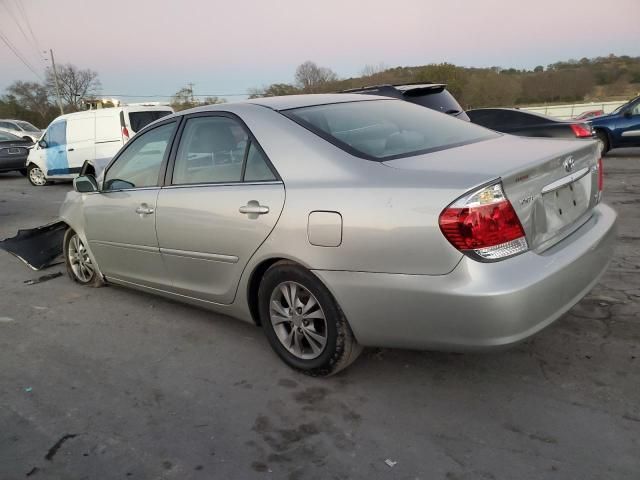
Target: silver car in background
x: 342, y: 221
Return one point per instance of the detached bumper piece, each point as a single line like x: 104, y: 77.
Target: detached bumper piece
x: 38, y: 247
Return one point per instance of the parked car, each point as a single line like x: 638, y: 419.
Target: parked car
x: 93, y: 135
x: 400, y: 227
x: 430, y: 95
x: 13, y: 153
x: 588, y: 115
x: 21, y: 129
x: 620, y: 128
x: 529, y: 124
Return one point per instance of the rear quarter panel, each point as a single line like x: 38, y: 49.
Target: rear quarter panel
x: 390, y: 216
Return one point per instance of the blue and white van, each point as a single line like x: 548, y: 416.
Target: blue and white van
x: 94, y: 135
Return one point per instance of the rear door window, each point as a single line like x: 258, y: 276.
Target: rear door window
x: 212, y: 150
x: 139, y: 120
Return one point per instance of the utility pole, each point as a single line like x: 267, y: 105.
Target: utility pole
x: 55, y: 77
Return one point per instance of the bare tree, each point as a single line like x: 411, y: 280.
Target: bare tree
x: 310, y: 77
x: 183, y: 99
x: 75, y: 85
x: 370, y: 70
x: 32, y: 96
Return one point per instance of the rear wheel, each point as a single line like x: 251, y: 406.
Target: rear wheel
x: 36, y: 175
x: 303, y: 322
x: 603, y: 141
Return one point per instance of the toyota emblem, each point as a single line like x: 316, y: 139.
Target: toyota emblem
x: 568, y: 164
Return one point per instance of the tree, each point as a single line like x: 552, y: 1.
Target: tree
x: 183, y: 99
x: 75, y: 85
x: 370, y: 70
x: 273, y: 90
x: 212, y: 101
x: 310, y: 77
x: 31, y: 96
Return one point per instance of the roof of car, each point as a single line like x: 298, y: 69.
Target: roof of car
x: 297, y: 101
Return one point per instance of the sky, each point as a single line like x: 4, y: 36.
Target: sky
x: 145, y: 47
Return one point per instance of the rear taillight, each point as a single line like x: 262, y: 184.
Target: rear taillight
x: 125, y: 134
x: 484, y: 225
x: 600, y: 175
x: 581, y: 130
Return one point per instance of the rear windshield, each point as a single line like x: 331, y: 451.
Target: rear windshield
x: 8, y: 137
x: 27, y: 127
x: 139, y: 120
x: 441, y: 101
x: 387, y: 129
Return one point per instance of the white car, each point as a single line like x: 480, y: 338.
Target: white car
x: 93, y: 135
x: 21, y: 129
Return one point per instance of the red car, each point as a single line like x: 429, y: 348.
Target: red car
x: 589, y: 114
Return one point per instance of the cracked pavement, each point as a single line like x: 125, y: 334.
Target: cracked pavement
x: 115, y: 384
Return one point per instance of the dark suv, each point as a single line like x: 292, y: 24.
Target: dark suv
x: 430, y: 95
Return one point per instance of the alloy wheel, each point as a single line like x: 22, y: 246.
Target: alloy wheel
x: 298, y: 320
x: 79, y: 260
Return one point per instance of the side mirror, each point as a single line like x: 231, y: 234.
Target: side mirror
x: 85, y: 184
x: 42, y: 144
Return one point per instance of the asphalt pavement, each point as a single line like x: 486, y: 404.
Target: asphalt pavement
x: 111, y: 383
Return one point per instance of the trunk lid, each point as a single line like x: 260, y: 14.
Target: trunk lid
x: 551, y: 183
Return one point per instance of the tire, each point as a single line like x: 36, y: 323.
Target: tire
x: 80, y: 267
x: 297, y: 336
x: 36, y: 176
x: 603, y: 138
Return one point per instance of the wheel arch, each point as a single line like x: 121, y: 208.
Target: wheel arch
x: 606, y: 131
x: 253, y: 284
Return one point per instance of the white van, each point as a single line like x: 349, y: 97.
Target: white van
x: 94, y: 135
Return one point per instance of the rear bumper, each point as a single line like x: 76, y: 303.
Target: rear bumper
x: 478, y: 305
x: 16, y: 162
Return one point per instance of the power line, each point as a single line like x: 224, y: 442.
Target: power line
x: 19, y: 55
x: 17, y: 22
x: 25, y: 16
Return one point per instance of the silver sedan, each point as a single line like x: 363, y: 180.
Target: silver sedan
x: 342, y: 221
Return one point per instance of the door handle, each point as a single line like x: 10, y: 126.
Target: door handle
x: 71, y: 150
x: 144, y: 209
x: 254, y: 208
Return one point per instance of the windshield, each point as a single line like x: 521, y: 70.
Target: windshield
x: 387, y: 129
x: 27, y: 127
x: 624, y: 105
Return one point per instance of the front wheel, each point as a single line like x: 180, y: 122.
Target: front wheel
x: 36, y: 175
x: 79, y: 265
x: 303, y: 322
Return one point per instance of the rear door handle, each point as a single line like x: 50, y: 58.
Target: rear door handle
x: 71, y: 150
x: 254, y: 208
x: 144, y: 209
